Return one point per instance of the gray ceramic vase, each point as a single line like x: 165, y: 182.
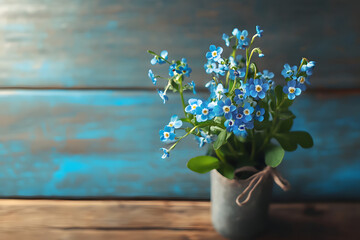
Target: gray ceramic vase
x: 231, y: 220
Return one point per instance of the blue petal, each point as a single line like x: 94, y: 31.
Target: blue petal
x: 173, y: 118
x: 212, y: 48
x: 164, y: 54
x: 261, y: 94
x: 178, y: 124
x: 153, y: 61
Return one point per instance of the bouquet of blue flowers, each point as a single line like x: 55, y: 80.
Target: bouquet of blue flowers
x: 246, y: 118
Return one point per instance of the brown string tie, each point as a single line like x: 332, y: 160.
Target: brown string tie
x: 256, y: 179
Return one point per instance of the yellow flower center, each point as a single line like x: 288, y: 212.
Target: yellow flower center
x: 205, y: 111
x: 258, y: 113
x: 166, y: 134
x: 214, y: 53
x: 246, y: 112
x: 258, y: 88
x: 171, y: 124
x: 226, y: 109
x: 193, y: 106
x: 291, y: 89
x: 302, y: 80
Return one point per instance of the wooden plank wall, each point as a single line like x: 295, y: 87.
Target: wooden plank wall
x: 70, y: 126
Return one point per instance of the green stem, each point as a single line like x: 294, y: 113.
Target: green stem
x: 247, y: 64
x: 274, y: 126
x: 189, y: 132
x: 233, y: 54
x: 181, y: 90
x: 153, y: 53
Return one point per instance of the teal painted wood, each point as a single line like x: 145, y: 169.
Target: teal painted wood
x: 91, y: 43
x: 106, y: 143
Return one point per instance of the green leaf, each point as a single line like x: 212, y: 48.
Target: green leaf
x: 262, y: 125
x: 286, y: 141
x: 220, y: 140
x: 185, y: 120
x: 203, y: 164
x: 227, y: 171
x: 174, y: 85
x: 286, y: 104
x: 228, y: 136
x: 303, y: 138
x: 286, y: 114
x: 274, y: 155
x: 285, y: 125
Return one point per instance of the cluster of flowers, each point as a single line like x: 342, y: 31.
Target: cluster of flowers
x: 235, y: 103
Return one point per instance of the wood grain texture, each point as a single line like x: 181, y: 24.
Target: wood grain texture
x: 49, y: 219
x: 93, y: 43
x: 106, y: 143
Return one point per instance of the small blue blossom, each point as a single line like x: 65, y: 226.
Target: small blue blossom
x: 205, y: 138
x: 292, y: 89
x: 184, y: 70
x: 210, y: 67
x: 259, y: 31
x: 259, y: 113
x: 215, y: 53
x: 192, y: 84
x: 211, y: 85
x: 308, y: 68
x: 193, y: 104
x: 156, y: 59
x: 247, y: 110
x: 258, y: 88
x: 152, y: 77
x: 165, y: 153
x: 239, y: 73
x: 224, y: 108
x: 243, y: 39
x: 240, y: 96
x: 172, y: 70
x: 288, y: 71
x: 204, y: 112
x: 240, y: 130
x: 239, y: 117
x: 222, y: 67
x: 163, y: 96
x: 226, y: 38
x: 167, y: 134
x: 174, y: 122
x: 301, y: 82
x: 261, y: 55
x: 267, y: 75
x: 229, y: 124
x: 235, y: 32
x: 220, y: 91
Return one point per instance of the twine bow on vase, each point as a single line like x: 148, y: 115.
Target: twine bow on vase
x: 254, y: 180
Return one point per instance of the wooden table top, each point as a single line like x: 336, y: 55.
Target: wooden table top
x: 161, y: 219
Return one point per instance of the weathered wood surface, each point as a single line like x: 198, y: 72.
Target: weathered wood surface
x: 106, y: 143
x: 92, y: 43
x: 49, y: 219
